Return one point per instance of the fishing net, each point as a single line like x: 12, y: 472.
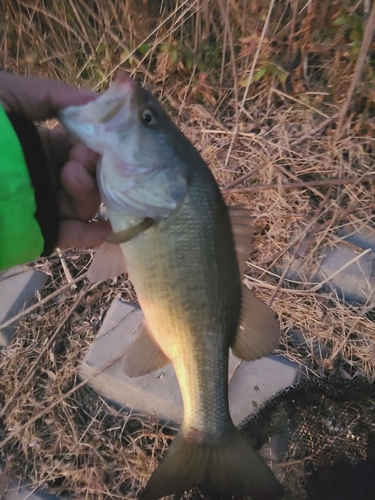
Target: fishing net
x: 318, y: 437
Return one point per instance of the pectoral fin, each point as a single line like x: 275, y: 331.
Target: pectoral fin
x: 143, y: 355
x: 242, y: 227
x: 259, y: 330
x: 109, y: 260
x: 131, y: 232
x: 108, y: 263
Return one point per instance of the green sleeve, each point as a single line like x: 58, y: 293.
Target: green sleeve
x: 21, y: 239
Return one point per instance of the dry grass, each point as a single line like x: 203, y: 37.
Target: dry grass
x: 277, y: 129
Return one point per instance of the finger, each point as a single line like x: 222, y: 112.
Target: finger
x: 82, y: 192
x: 39, y: 98
x: 74, y: 233
x: 84, y: 155
x: 56, y: 146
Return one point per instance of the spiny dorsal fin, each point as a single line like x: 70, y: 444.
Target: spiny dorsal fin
x: 143, y: 355
x: 108, y: 263
x: 243, y: 233
x: 259, y: 330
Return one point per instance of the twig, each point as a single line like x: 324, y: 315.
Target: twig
x: 367, y: 37
x: 256, y: 56
x: 279, y: 92
x: 296, y: 185
x: 291, y: 291
x: 249, y: 80
x: 150, y: 35
x: 30, y: 373
x: 314, y: 130
x: 342, y: 268
x: 249, y: 174
x: 296, y: 142
x: 69, y: 277
x: 48, y: 13
x: 286, y: 248
x: 318, y: 213
x: 60, y: 400
x: 83, y: 28
x: 316, y: 287
x: 41, y: 302
x: 224, y: 7
x: 367, y: 308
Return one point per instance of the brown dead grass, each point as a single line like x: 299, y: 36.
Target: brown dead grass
x: 198, y: 57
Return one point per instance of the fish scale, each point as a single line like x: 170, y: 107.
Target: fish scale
x: 175, y: 285
x: 178, y: 240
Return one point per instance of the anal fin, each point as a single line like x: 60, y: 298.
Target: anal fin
x: 108, y: 262
x: 143, y: 355
x: 259, y: 330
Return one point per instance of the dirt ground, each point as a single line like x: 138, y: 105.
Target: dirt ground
x: 279, y: 100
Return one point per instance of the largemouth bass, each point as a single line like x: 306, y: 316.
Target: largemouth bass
x: 178, y: 239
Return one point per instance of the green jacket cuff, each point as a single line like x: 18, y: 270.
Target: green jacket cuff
x: 28, y: 208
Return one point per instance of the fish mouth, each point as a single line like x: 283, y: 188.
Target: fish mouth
x: 110, y: 111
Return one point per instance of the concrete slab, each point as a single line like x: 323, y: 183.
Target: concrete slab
x: 345, y: 268
x: 257, y: 381
x: 363, y: 237
x: 158, y: 393
x: 356, y: 281
x: 17, y: 290
x: 15, y: 491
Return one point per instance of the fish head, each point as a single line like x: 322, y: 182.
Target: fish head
x: 141, y: 172
x: 102, y: 124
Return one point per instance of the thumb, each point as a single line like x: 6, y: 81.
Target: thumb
x: 39, y: 98
x: 78, y: 234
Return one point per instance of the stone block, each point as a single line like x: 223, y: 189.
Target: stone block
x: 356, y: 281
x: 23, y: 493
x: 158, y: 393
x: 346, y: 268
x: 17, y: 290
x: 363, y: 237
x: 16, y: 491
x: 257, y: 381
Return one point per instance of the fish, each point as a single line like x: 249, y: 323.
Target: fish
x: 178, y: 241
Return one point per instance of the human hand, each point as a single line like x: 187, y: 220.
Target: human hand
x: 72, y: 168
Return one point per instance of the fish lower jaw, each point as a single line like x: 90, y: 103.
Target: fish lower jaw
x: 121, y: 222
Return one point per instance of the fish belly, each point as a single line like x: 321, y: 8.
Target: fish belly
x: 186, y: 276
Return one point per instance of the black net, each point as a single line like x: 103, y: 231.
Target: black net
x: 318, y: 437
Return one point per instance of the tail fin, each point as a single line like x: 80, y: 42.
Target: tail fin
x: 226, y: 465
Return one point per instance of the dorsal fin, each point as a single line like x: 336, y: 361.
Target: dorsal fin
x: 259, y: 330
x: 243, y: 231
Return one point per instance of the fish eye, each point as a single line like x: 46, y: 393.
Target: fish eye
x: 148, y: 117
